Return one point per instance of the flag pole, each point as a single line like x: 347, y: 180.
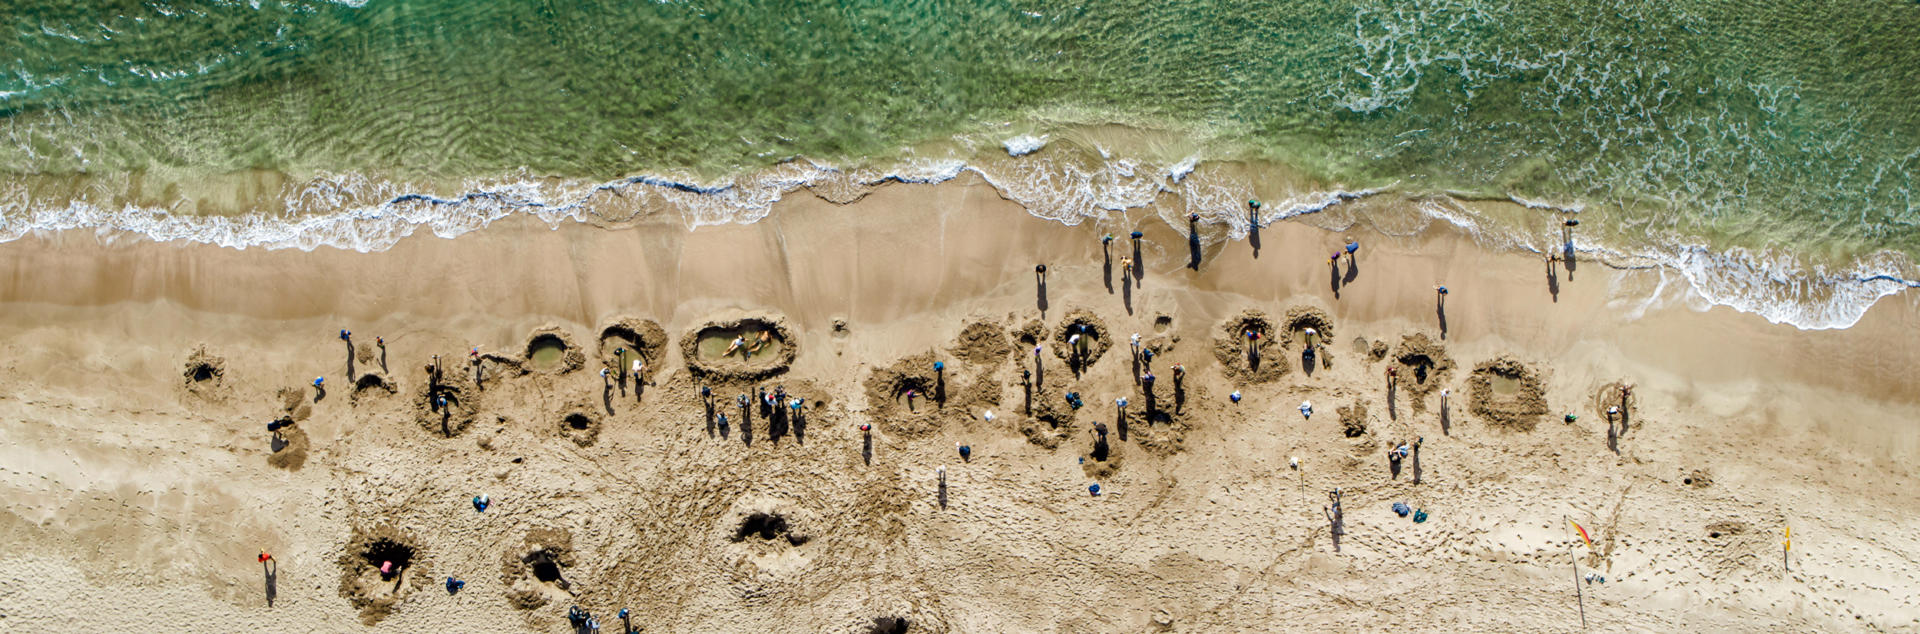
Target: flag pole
x: 1578, y: 594
x: 1786, y: 544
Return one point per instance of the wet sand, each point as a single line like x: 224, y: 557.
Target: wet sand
x: 137, y: 497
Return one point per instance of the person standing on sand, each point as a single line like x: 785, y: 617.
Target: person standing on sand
x: 1235, y: 397
x: 1416, y: 457
x: 910, y: 394
x: 1392, y: 373
x: 639, y: 369
x: 347, y: 336
x: 606, y: 380
x: 1394, y: 456
x: 1040, y: 274
x: 1441, y: 293
x: 1336, y: 519
x: 381, y: 342
x: 319, y: 388
x: 1306, y: 409
x: 1352, y: 247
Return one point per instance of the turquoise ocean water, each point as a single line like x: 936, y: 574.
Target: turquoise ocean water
x: 1766, y: 153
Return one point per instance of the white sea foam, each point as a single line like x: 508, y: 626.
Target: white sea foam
x: 1024, y: 144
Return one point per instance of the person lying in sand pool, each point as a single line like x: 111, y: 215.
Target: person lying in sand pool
x: 737, y: 343
x: 766, y: 336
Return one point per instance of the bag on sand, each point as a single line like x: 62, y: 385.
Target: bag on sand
x: 1419, y: 517
x: 1400, y: 508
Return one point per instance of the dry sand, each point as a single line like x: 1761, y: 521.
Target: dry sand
x: 138, y: 480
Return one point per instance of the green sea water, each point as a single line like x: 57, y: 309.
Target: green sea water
x: 1765, y: 127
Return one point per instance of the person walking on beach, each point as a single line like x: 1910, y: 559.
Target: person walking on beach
x: 1352, y: 247
x: 319, y: 388
x: 473, y: 356
x: 381, y: 342
x: 1040, y: 275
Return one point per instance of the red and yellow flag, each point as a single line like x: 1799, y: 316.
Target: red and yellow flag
x: 1583, y: 534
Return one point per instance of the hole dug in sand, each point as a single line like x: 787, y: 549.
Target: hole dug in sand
x: 889, y: 625
x: 1300, y: 318
x: 205, y: 373
x: 551, y: 350
x: 581, y: 428
x: 638, y: 339
x: 982, y: 343
x: 744, y: 348
x: 1249, y: 360
x: 1508, y: 393
x: 887, y: 390
x: 537, y: 572
x: 372, y: 385
x: 1094, y: 339
x: 447, y: 422
x: 362, y: 583
x: 767, y: 527
x: 1423, y: 367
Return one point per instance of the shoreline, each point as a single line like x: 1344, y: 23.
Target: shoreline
x: 1812, y: 289
x: 1801, y: 428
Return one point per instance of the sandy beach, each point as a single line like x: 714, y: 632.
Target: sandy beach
x: 139, y: 481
